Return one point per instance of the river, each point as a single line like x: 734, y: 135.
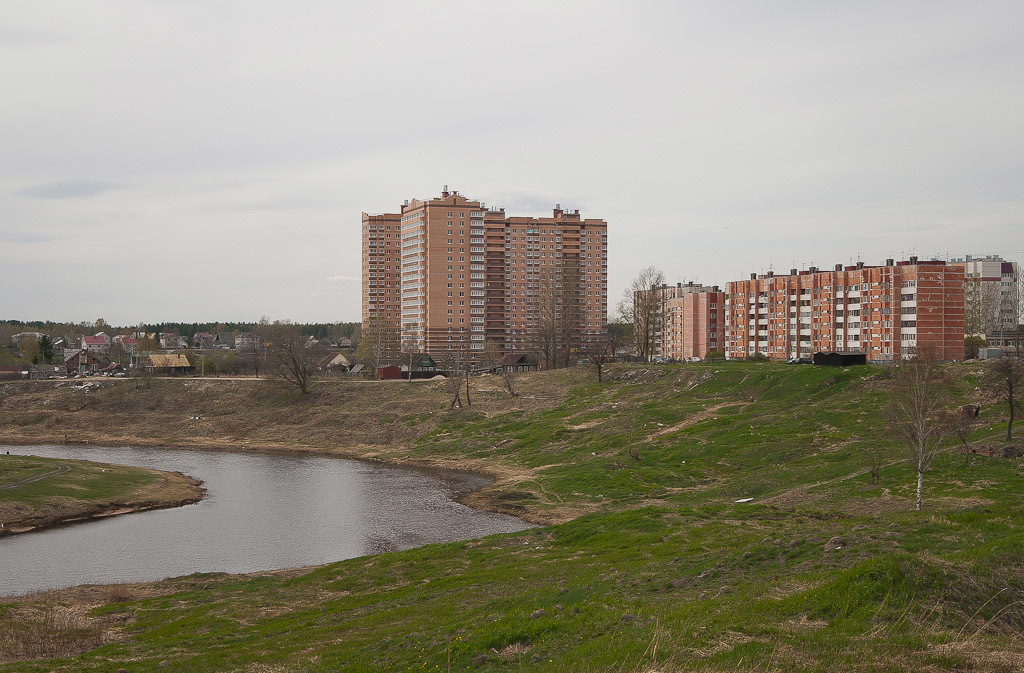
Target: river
x: 263, y: 511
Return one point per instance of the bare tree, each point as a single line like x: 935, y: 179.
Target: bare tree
x: 491, y: 358
x: 982, y: 307
x: 409, y: 347
x: 1006, y: 376
x: 545, y: 313
x: 1015, y: 313
x: 257, y: 342
x: 508, y: 375
x: 144, y: 346
x: 457, y: 364
x: 875, y: 453
x: 642, y: 305
x: 555, y: 300
x: 600, y: 349
x: 1009, y: 307
x: 119, y: 354
x: 28, y: 349
x: 918, y: 401
x: 963, y: 423
x: 221, y: 361
x: 379, y: 343
x: 570, y: 315
x: 290, y: 359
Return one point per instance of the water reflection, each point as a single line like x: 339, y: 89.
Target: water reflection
x: 262, y: 511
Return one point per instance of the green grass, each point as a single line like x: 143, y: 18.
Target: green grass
x: 821, y: 571
x: 83, y: 480
x: 9, y: 356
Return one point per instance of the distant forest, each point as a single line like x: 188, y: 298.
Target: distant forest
x: 322, y: 331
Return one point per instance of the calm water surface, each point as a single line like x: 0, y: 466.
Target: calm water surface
x: 262, y: 511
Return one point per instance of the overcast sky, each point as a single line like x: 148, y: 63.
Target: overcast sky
x: 194, y: 161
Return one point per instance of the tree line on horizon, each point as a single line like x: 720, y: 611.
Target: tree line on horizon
x: 54, y: 329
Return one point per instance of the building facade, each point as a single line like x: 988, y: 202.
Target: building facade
x: 990, y: 294
x: 447, y: 273
x: 693, y: 321
x: 888, y: 312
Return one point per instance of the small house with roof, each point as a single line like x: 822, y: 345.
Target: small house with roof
x: 333, y: 362
x: 167, y: 364
x: 83, y: 362
x: 95, y: 344
x: 246, y: 341
x: 21, y: 336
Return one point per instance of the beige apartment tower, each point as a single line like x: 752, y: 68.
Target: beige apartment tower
x: 449, y: 274
x: 692, y: 321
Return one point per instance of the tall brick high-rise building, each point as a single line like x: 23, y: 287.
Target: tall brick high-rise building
x: 448, y: 273
x: 887, y: 312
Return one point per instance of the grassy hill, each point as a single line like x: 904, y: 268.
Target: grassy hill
x: 654, y: 564
x: 40, y: 492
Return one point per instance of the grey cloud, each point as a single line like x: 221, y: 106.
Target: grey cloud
x: 712, y: 147
x: 68, y: 189
x: 13, y: 37
x: 529, y: 202
x: 27, y: 237
x: 321, y: 294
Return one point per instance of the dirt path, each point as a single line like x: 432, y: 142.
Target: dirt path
x: 61, y: 467
x: 692, y: 420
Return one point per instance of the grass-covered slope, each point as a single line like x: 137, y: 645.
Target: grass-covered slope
x: 662, y: 570
x: 39, y: 492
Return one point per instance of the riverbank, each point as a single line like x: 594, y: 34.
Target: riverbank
x: 364, y: 421
x: 720, y: 518
x: 38, y: 493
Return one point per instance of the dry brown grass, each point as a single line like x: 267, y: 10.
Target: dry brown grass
x: 48, y: 631
x: 254, y: 414
x: 119, y: 593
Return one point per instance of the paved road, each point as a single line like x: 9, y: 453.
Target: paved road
x: 61, y: 467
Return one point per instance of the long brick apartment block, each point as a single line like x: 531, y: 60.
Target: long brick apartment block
x: 888, y: 312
